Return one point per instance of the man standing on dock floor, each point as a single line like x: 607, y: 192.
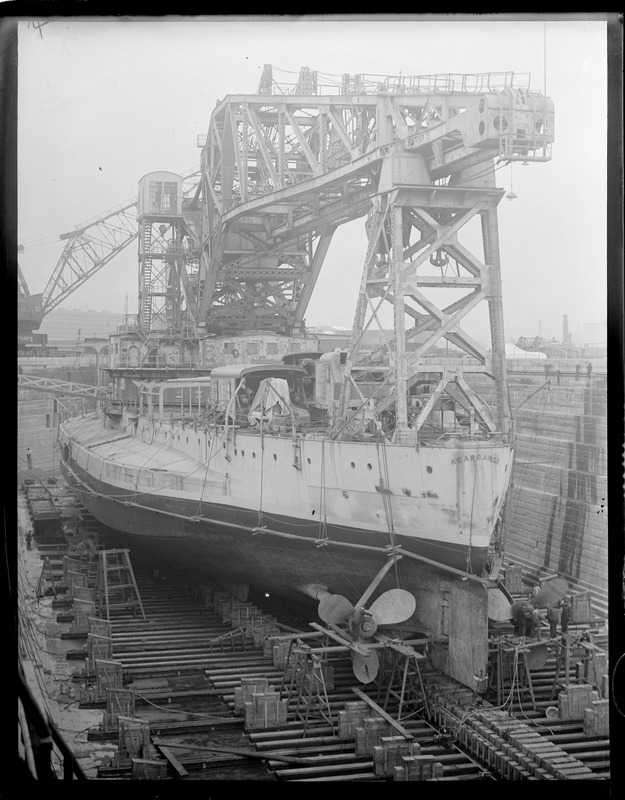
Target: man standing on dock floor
x: 29, y: 537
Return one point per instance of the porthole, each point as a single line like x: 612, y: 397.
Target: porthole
x: 353, y: 466
x: 235, y: 451
x: 242, y: 453
x: 308, y: 461
x: 500, y: 123
x: 253, y: 455
x: 369, y: 466
x: 428, y: 470
x: 482, y: 105
x: 275, y: 457
x: 313, y: 512
x: 482, y: 127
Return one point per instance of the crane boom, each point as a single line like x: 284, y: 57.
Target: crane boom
x: 283, y: 168
x: 93, y: 245
x: 87, y: 250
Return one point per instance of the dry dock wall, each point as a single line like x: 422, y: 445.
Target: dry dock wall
x: 38, y: 414
x: 556, y: 516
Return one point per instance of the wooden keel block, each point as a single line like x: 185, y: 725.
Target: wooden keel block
x: 144, y: 769
x: 244, y: 692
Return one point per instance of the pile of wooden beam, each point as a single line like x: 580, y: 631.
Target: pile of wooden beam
x: 243, y: 693
x: 597, y: 719
x: 418, y: 768
x: 351, y: 718
x: 574, y: 700
x: 265, y: 710
x: 513, y: 578
x: 389, y: 753
x: 369, y: 734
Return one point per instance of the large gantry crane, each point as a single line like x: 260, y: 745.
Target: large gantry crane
x: 239, y: 245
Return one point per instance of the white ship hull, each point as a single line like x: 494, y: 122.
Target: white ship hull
x: 279, y: 513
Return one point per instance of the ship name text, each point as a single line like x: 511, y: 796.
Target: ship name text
x: 463, y: 459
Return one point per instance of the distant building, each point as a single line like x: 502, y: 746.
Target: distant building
x: 592, y: 339
x: 592, y: 333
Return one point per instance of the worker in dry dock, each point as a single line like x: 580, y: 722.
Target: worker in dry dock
x: 554, y: 613
x: 533, y: 624
x: 565, y: 616
x: 521, y: 613
x: 29, y: 538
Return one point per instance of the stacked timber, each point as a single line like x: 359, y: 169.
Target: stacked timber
x: 369, y: 735
x: 597, y: 719
x: 574, y: 700
x: 265, y: 710
x: 351, y: 717
x: 389, y: 753
x: 418, y: 768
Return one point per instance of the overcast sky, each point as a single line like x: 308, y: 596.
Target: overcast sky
x: 103, y: 102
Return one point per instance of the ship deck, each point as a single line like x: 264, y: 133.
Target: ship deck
x: 133, y: 451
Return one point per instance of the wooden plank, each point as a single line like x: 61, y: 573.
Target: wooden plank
x: 400, y: 728
x: 166, y: 753
x: 349, y: 645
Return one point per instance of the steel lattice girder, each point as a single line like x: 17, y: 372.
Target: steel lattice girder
x: 394, y: 272
x: 94, y: 244
x: 305, y: 163
x: 63, y: 388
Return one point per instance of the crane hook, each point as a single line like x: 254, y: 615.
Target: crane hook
x: 439, y: 258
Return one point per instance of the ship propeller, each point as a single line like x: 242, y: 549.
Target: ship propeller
x: 390, y: 608
x: 552, y: 592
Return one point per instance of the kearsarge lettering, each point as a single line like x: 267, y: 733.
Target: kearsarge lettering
x: 462, y: 459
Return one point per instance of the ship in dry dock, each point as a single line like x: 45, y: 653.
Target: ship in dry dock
x: 268, y: 495
x: 265, y: 461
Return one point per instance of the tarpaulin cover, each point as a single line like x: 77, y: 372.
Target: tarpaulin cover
x: 272, y: 398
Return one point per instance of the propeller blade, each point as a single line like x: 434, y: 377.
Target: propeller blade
x: 335, y: 608
x: 366, y: 667
x: 498, y: 605
x: 537, y: 656
x: 377, y: 580
x: 516, y: 607
x: 552, y: 592
x: 394, y: 606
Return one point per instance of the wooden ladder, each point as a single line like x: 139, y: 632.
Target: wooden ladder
x: 116, y: 587
x: 46, y: 571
